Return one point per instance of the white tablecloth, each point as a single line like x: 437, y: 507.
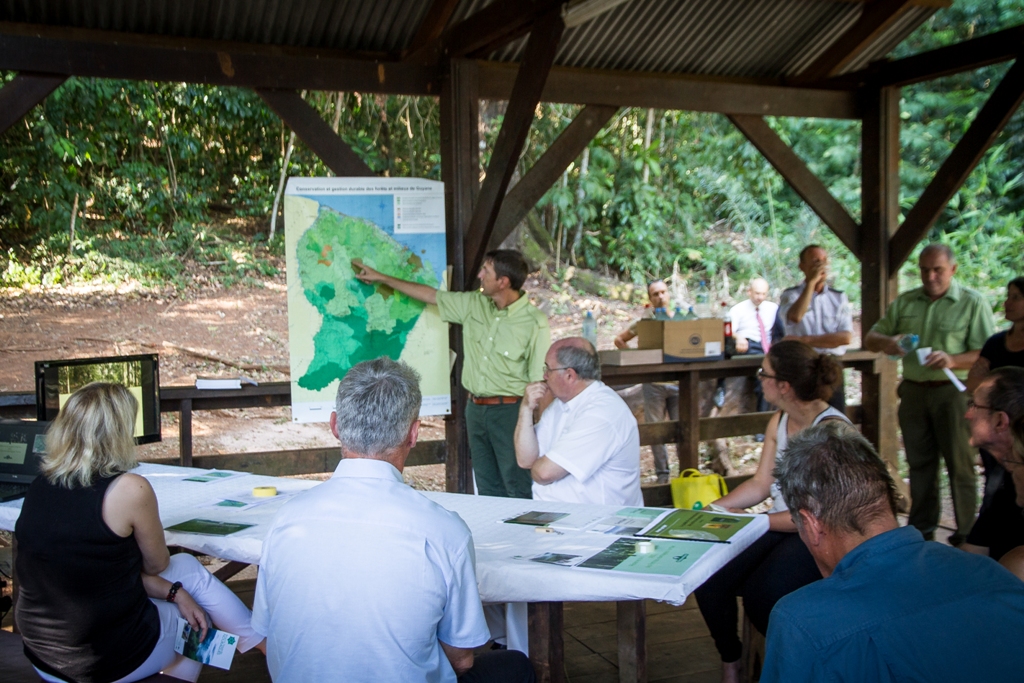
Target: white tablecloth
x: 502, y: 577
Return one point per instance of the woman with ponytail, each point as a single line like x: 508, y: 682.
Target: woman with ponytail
x: 800, y: 381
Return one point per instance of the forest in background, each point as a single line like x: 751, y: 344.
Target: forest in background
x: 157, y: 178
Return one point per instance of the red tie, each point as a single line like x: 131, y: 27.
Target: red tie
x: 765, y: 344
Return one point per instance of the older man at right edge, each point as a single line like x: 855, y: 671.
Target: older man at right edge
x: 954, y: 322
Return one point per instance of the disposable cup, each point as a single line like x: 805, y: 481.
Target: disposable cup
x: 923, y: 353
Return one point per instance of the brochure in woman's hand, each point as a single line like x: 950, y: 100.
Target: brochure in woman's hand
x: 217, y: 649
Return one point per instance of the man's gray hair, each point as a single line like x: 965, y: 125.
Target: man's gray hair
x: 834, y: 473
x: 943, y: 249
x: 584, y: 361
x: 1006, y: 393
x: 377, y: 402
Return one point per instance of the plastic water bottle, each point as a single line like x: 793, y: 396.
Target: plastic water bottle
x: 660, y: 314
x: 590, y: 328
x: 701, y: 300
x: 908, y: 343
x: 678, y: 314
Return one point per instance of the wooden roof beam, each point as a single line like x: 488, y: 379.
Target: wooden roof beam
x: 526, y: 94
x: 315, y: 132
x: 495, y: 25
x: 525, y: 194
x: 432, y: 26
x: 665, y: 91
x: 24, y: 92
x: 1001, y: 46
x: 875, y: 18
x: 807, y: 185
x: 954, y: 171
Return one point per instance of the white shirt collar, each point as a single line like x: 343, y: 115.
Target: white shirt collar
x: 366, y: 468
x: 575, y: 401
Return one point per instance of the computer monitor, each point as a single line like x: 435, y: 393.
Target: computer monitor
x: 56, y: 380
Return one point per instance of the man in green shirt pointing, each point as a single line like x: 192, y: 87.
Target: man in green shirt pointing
x: 954, y: 322
x: 505, y: 339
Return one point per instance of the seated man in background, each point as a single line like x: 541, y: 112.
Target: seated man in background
x: 892, y: 607
x: 661, y: 399
x: 586, y: 447
x: 364, y: 579
x: 753, y: 319
x: 997, y: 405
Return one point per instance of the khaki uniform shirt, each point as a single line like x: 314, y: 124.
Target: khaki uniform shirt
x: 504, y: 349
x: 959, y: 321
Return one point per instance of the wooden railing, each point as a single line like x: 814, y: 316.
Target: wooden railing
x: 186, y: 399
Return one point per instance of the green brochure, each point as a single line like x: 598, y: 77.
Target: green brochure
x: 208, y: 527
x: 667, y: 558
x: 696, y: 525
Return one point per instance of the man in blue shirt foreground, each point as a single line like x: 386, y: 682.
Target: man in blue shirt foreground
x: 893, y: 607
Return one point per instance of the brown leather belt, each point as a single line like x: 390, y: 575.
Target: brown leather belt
x: 495, y: 400
x: 931, y: 383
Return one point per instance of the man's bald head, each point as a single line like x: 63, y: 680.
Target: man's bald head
x: 579, y: 354
x: 757, y: 291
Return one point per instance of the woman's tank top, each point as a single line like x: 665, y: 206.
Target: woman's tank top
x: 782, y: 442
x: 82, y: 609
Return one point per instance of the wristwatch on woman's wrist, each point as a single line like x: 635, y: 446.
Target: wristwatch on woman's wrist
x: 174, y: 591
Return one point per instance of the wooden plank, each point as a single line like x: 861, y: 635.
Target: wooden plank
x: 954, y: 171
x: 229, y: 570
x: 672, y: 91
x: 185, y: 433
x: 712, y: 428
x: 432, y: 25
x: 308, y: 460
x: 546, y: 645
x: 537, y: 59
x: 631, y: 624
x: 688, y: 446
x: 525, y: 194
x: 1001, y: 46
x: 22, y: 94
x: 118, y: 55
x: 875, y: 19
x: 460, y: 169
x: 880, y: 188
x: 495, y: 25
x: 801, y: 179
x: 315, y: 132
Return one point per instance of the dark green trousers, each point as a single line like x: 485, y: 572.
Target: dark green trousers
x: 934, y: 428
x: 491, y: 430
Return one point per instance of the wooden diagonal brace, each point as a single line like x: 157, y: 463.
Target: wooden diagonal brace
x: 525, y: 194
x: 315, y: 132
x: 807, y: 185
x: 540, y: 54
x: 961, y: 161
x: 19, y: 96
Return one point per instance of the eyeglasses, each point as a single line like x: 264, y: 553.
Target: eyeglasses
x: 547, y: 369
x: 977, y: 406
x: 761, y: 374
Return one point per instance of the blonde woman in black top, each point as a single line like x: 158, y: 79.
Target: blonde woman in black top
x: 100, y: 594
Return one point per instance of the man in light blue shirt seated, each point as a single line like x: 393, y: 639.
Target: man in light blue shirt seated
x: 364, y: 579
x: 893, y: 607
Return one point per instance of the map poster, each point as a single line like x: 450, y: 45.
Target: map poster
x: 394, y: 225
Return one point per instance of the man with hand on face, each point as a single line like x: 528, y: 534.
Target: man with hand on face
x: 816, y: 314
x: 954, y: 322
x: 505, y: 339
x: 661, y: 399
x: 586, y: 447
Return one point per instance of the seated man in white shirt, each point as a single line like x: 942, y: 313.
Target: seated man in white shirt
x: 586, y: 447
x: 753, y: 319
x: 364, y: 579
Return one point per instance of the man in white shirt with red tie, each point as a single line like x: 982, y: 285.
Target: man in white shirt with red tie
x: 753, y: 318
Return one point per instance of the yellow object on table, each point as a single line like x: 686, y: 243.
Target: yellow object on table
x: 264, y: 491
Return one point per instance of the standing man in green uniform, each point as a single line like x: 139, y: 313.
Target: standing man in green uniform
x: 505, y: 341
x: 955, y: 322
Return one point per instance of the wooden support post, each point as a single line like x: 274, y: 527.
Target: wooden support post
x: 961, y: 161
x: 546, y: 645
x: 315, y: 132
x: 185, y: 433
x: 460, y: 170
x: 537, y: 59
x: 631, y: 616
x: 688, y: 445
x: 880, y: 183
x: 229, y: 570
x: 24, y: 92
x: 800, y: 178
x: 525, y: 194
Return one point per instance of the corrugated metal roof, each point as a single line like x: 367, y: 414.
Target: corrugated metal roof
x: 733, y: 38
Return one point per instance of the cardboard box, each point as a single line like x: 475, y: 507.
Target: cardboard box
x: 683, y: 341
x: 631, y: 357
